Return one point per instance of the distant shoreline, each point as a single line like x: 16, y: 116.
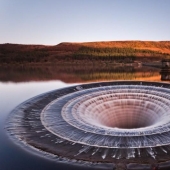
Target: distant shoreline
x: 95, y: 52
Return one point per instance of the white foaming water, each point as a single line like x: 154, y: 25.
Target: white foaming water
x: 115, y: 121
x: 103, y: 116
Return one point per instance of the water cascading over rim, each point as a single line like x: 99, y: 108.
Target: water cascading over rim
x: 109, y: 111
x: 100, y: 121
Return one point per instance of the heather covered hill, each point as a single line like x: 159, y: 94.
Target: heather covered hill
x: 116, y: 51
x: 150, y: 45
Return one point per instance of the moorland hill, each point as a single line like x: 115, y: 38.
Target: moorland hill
x: 112, y: 51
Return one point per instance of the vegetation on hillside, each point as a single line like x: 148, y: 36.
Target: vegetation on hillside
x: 117, y: 51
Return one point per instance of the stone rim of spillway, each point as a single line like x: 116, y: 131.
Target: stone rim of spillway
x: 71, y: 115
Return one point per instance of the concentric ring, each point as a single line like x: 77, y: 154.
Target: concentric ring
x: 98, y: 121
x: 150, y: 106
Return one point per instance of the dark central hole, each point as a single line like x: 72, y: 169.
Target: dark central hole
x: 123, y: 113
x: 129, y: 125
x: 130, y: 117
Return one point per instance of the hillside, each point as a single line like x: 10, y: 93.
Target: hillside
x: 114, y: 51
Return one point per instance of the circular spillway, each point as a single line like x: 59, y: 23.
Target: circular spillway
x: 98, y: 122
x: 123, y: 114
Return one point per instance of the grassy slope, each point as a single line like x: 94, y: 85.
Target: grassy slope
x: 13, y: 53
x: 162, y: 46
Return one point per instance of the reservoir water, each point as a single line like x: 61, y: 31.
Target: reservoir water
x: 19, y: 84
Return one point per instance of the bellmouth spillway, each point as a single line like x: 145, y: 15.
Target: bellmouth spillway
x: 98, y: 122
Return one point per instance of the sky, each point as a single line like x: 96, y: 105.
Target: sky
x: 50, y: 22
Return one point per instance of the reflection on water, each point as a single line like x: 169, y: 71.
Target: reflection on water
x: 12, y: 94
x: 165, y: 75
x: 165, y: 70
x: 13, y: 157
x: 78, y: 73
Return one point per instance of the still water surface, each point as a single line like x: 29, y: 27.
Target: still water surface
x: 11, y: 156
x: 20, y: 84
